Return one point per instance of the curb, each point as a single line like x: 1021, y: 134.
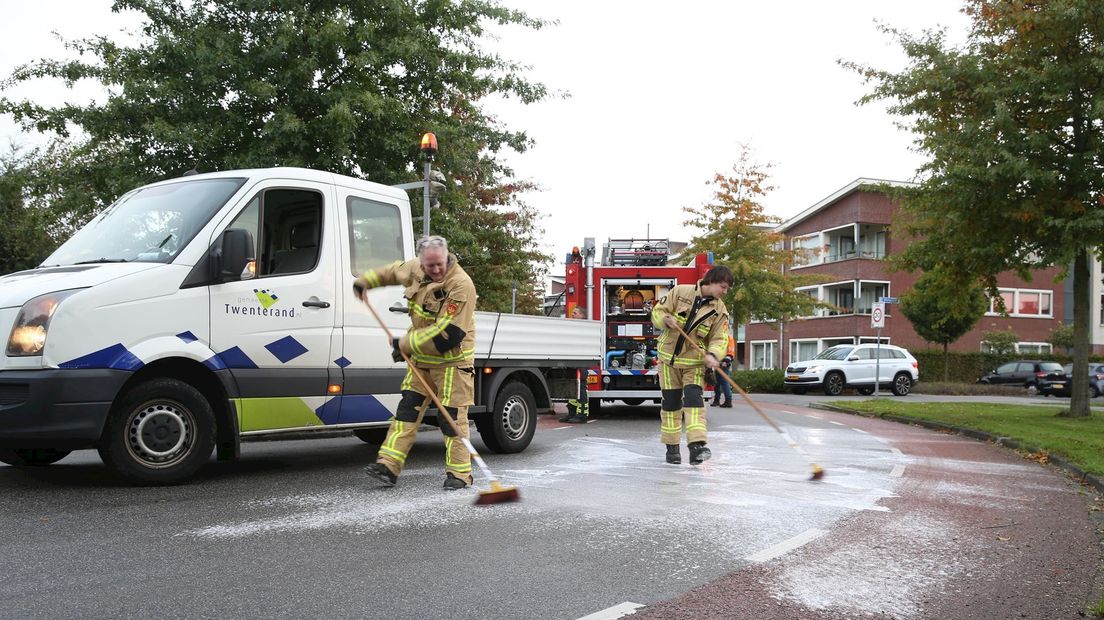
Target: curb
x: 1075, y: 472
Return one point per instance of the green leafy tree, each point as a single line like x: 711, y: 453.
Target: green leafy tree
x: 740, y: 234
x: 932, y: 307
x: 24, y: 241
x: 1062, y: 337
x: 1011, y: 124
x: 1000, y: 342
x: 339, y: 85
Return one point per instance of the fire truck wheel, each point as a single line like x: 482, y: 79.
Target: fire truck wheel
x: 159, y: 432
x: 371, y: 436
x: 30, y: 457
x: 509, y: 427
x: 632, y: 402
x: 594, y: 406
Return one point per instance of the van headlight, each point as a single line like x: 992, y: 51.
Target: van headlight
x: 28, y: 335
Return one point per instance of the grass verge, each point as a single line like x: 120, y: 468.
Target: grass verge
x: 1078, y: 440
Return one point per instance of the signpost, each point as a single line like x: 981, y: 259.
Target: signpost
x: 877, y: 321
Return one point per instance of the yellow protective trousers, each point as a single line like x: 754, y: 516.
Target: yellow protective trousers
x: 455, y: 387
x: 682, y: 400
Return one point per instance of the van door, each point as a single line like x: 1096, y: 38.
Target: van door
x: 274, y: 332
x: 373, y: 235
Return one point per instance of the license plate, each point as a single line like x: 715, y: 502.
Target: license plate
x: 1058, y: 385
x: 793, y: 377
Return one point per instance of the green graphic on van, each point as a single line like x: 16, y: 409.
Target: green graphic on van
x: 267, y: 297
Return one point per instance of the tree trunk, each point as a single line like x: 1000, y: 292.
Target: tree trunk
x: 1079, y: 390
x: 946, y: 362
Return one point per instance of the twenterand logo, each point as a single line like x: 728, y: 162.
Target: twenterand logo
x: 267, y: 299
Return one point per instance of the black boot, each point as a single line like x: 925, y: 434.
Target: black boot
x: 673, y: 456
x: 453, y: 483
x: 379, y: 471
x: 727, y: 404
x: 698, y: 453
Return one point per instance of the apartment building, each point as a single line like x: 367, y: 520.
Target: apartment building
x: 846, y: 238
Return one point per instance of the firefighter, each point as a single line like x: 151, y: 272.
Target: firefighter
x: 578, y: 408
x: 698, y: 310
x: 441, y: 344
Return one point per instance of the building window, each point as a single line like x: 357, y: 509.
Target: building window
x: 762, y: 355
x: 1033, y: 347
x: 801, y: 350
x: 805, y: 250
x: 1023, y: 303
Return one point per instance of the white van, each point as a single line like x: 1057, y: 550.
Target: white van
x: 194, y: 312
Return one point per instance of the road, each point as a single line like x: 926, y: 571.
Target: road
x: 907, y: 524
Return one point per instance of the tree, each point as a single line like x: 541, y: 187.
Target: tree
x: 1000, y: 342
x: 339, y: 85
x: 929, y: 306
x: 1011, y: 125
x: 739, y: 233
x: 24, y: 241
x: 1062, y: 337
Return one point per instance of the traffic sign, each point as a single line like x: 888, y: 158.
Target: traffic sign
x: 877, y: 315
x: 889, y: 300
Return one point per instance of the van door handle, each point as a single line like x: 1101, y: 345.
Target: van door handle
x: 399, y: 309
x: 314, y: 303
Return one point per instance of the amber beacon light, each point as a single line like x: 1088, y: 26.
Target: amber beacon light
x: 429, y: 144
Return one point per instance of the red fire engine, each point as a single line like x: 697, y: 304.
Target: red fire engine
x: 620, y: 291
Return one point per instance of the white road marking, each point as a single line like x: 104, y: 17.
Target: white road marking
x: 898, y: 471
x: 786, y: 546
x: 617, y: 611
x: 836, y: 423
x: 859, y: 430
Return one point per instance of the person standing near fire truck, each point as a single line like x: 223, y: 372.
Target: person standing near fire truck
x: 698, y: 311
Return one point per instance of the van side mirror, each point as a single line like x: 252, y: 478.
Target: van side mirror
x: 853, y: 358
x: 235, y: 258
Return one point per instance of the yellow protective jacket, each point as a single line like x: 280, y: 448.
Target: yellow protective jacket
x: 442, y: 314
x: 704, y: 318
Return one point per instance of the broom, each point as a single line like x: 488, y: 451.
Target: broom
x: 818, y: 471
x: 497, y: 494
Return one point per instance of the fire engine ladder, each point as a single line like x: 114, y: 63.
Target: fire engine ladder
x: 636, y: 252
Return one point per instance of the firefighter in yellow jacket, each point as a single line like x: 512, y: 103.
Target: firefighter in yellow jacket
x: 698, y: 311
x: 441, y: 343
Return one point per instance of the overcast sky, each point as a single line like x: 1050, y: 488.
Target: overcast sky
x: 661, y: 96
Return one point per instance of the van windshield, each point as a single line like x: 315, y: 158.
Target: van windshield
x: 147, y: 225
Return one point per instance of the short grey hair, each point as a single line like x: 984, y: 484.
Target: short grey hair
x: 432, y: 241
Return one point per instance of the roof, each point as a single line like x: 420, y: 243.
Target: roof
x: 850, y: 188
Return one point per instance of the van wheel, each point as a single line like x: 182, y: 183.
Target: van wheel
x: 159, y: 432
x: 633, y: 402
x: 372, y: 436
x: 594, y: 406
x: 833, y: 383
x: 510, y: 425
x: 902, y: 384
x: 32, y: 457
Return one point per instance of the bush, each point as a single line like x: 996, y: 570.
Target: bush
x: 760, y: 381
x: 967, y: 367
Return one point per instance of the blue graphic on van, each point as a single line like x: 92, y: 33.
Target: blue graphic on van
x: 353, y: 409
x: 115, y: 357
x: 187, y: 337
x: 286, y: 349
x: 234, y: 357
x: 342, y: 361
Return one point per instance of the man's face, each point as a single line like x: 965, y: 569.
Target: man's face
x: 716, y: 289
x: 435, y: 263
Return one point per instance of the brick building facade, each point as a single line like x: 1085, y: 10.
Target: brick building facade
x: 846, y: 237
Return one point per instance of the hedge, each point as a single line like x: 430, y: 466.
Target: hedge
x: 967, y: 367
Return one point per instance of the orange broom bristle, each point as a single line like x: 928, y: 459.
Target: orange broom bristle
x: 818, y: 473
x: 500, y: 496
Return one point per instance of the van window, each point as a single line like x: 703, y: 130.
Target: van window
x: 287, y: 229
x: 375, y: 234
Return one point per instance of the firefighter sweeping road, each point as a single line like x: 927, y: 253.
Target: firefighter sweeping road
x: 909, y: 524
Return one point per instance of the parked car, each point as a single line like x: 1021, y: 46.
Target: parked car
x: 1020, y: 373
x: 850, y: 365
x: 1061, y: 383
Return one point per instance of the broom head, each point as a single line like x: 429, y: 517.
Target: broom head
x: 497, y: 494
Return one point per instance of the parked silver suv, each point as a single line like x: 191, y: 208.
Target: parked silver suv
x: 854, y: 365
